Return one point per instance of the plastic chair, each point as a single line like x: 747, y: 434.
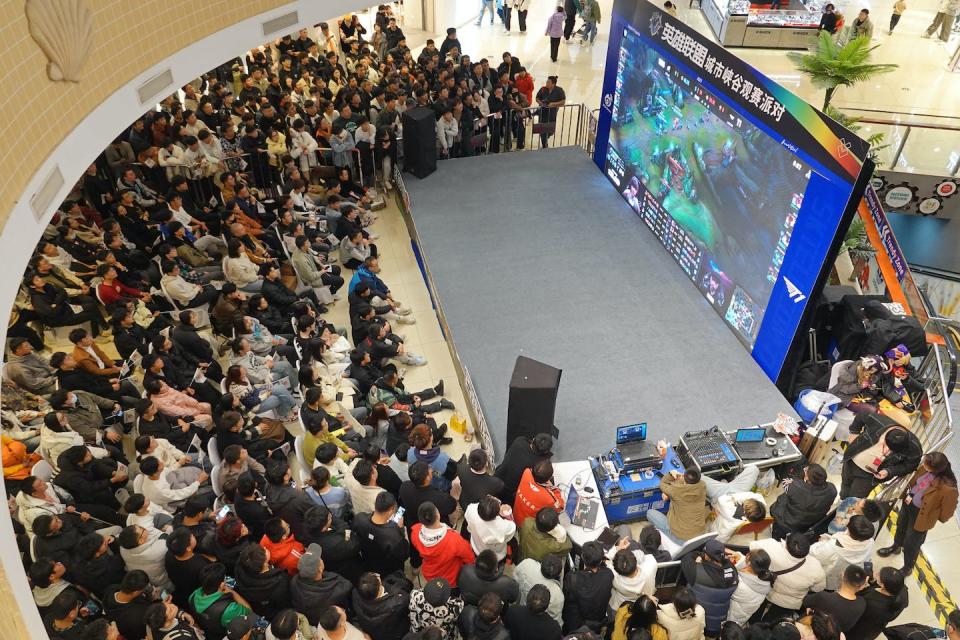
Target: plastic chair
x: 212, y: 452
x: 843, y: 417
x: 756, y: 528
x: 298, y: 448
x: 215, y: 479
x: 42, y: 470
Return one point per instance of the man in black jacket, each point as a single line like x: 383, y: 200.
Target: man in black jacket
x: 586, y: 593
x: 127, y: 602
x: 484, y: 576
x: 879, y: 449
x: 523, y: 454
x: 475, y: 480
x: 73, y: 378
x: 193, y: 347
x: 382, y: 606
x: 313, y: 589
x: 383, y: 545
x: 804, y: 502
x: 532, y: 620
x: 341, y: 549
x: 285, y: 501
x: 363, y: 370
x: 280, y: 296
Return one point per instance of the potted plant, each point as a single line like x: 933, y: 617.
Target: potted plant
x: 830, y: 65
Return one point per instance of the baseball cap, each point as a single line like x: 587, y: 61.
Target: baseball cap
x: 437, y: 592
x: 310, y: 561
x: 240, y: 626
x: 714, y: 548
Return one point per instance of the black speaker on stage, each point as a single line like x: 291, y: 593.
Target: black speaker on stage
x: 533, y: 399
x: 420, y: 141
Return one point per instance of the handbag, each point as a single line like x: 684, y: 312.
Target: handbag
x: 548, y: 128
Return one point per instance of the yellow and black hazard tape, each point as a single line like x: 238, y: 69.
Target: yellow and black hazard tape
x: 931, y: 586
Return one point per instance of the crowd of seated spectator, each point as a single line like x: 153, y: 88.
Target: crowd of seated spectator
x: 154, y: 496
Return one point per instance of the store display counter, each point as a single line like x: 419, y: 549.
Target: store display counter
x: 737, y: 24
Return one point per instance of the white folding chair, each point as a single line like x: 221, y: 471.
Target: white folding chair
x: 298, y: 448
x: 212, y: 452
x: 216, y: 482
x: 42, y: 470
x: 138, y: 483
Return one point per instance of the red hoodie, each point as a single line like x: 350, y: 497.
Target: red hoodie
x: 443, y: 551
x: 284, y: 554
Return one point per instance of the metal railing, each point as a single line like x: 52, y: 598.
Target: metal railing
x: 533, y: 128
x: 916, y: 143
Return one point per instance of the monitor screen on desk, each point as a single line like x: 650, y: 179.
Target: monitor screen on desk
x: 756, y: 434
x: 632, y: 433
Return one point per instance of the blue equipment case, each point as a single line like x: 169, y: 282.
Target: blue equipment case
x: 630, y: 497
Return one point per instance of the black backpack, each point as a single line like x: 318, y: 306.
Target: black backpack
x: 913, y: 631
x: 209, y: 620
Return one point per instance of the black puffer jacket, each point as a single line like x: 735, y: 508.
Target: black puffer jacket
x: 267, y: 592
x: 870, y: 429
x: 474, y: 627
x: 311, y: 597
x: 802, y: 505
x: 92, y: 481
x: 386, y: 618
x: 473, y: 585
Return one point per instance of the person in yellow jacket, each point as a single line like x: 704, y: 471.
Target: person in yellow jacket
x: 637, y: 614
x: 17, y: 463
x: 898, y: 8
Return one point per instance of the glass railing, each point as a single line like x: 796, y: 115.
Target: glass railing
x: 916, y: 143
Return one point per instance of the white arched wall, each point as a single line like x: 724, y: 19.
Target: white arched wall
x: 78, y: 150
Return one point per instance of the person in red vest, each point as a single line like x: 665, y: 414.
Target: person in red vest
x: 535, y: 492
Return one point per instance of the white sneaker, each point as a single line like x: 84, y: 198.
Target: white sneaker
x: 406, y: 320
x: 415, y: 360
x: 404, y: 311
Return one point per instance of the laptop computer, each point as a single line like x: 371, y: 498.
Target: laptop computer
x: 636, y: 451
x: 750, y: 443
x: 582, y: 512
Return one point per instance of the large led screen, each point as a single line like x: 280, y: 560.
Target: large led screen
x: 745, y: 185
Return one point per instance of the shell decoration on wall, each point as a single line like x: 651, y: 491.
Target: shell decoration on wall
x: 64, y: 31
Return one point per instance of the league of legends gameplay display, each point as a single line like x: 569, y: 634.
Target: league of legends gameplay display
x: 746, y: 186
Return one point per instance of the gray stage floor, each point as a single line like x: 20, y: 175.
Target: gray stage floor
x: 537, y: 254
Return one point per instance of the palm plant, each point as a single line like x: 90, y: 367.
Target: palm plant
x: 830, y: 65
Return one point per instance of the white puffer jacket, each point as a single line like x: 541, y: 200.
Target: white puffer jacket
x: 790, y: 588
x: 749, y: 596
x: 678, y: 628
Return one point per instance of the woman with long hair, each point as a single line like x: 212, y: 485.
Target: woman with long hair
x: 931, y: 498
x: 261, y: 398
x: 638, y: 614
x: 755, y: 583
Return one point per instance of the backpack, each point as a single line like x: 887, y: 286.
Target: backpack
x: 209, y: 620
x: 913, y: 631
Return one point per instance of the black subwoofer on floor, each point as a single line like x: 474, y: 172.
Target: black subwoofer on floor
x: 420, y: 141
x: 533, y: 399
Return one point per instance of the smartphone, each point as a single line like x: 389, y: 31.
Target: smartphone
x: 92, y: 607
x: 339, y: 396
x: 164, y: 594
x: 223, y: 512
x: 230, y: 581
x: 868, y: 568
x: 398, y: 516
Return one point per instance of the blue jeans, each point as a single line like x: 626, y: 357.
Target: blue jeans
x: 283, y: 369
x: 279, y: 400
x: 591, y: 33
x: 484, y: 6
x: 659, y: 520
x: 253, y: 287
